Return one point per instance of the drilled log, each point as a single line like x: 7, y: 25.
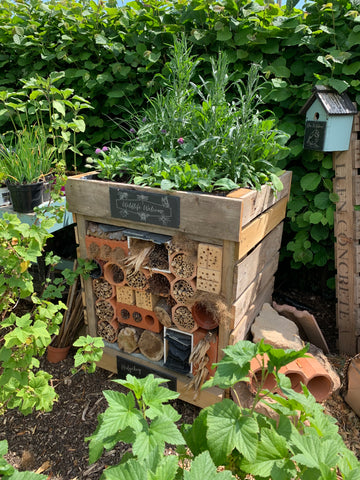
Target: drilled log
x: 128, y: 339
x: 151, y: 345
x: 163, y: 312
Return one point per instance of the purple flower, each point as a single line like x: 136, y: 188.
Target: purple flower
x: 97, y: 151
x: 144, y: 119
x: 163, y: 131
x: 132, y: 130
x: 180, y: 141
x: 105, y: 149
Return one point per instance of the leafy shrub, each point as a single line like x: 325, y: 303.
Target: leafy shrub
x: 302, y: 443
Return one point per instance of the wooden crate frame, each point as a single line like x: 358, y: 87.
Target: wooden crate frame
x: 247, y: 225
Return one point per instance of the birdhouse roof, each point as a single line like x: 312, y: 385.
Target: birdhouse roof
x: 333, y: 102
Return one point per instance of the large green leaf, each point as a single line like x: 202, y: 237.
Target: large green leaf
x: 202, y: 467
x: 228, y: 429
x: 310, y: 181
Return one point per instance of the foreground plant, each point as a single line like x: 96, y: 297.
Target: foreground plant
x: 302, y: 443
x: 24, y: 339
x: 209, y: 135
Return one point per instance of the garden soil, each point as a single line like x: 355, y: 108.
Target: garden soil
x: 54, y: 443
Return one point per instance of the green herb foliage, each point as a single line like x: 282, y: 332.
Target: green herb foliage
x: 192, y: 136
x: 302, y: 443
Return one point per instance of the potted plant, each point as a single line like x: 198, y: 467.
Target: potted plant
x: 25, y: 162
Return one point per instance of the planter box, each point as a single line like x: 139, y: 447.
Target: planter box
x: 237, y: 239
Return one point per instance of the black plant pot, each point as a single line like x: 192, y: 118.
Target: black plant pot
x: 24, y: 197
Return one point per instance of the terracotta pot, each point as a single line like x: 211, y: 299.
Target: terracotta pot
x: 183, y: 319
x: 183, y: 290
x: 182, y: 265
x: 114, y: 273
x: 57, y: 354
x: 203, y: 317
x: 295, y: 374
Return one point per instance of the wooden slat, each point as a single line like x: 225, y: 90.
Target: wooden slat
x: 356, y: 159
x: 253, y: 233
x: 345, y: 249
x: 255, y: 202
x: 207, y: 215
x: 242, y: 329
x: 246, y: 270
x: 356, y: 190
x: 244, y: 302
x: 205, y: 398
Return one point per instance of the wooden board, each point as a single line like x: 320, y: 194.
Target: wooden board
x: 255, y: 202
x: 210, y: 215
x: 246, y: 270
x: 242, y: 329
x: 249, y: 296
x: 205, y: 398
x: 253, y: 233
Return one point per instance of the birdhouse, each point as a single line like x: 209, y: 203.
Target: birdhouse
x: 329, y: 118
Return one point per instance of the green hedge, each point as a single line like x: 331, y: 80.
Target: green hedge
x: 112, y: 56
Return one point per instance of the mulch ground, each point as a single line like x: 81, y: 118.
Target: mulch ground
x: 54, y: 443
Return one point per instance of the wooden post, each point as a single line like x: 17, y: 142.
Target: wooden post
x: 346, y: 183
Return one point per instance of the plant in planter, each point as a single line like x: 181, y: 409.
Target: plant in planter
x: 25, y: 162
x: 44, y: 122
x: 209, y: 136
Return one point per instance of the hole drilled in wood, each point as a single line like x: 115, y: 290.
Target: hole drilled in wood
x: 159, y: 284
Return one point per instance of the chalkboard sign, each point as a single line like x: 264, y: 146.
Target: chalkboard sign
x: 151, y: 208
x: 314, y: 135
x: 138, y: 370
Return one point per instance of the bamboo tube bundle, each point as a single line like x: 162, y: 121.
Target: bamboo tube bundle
x: 183, y: 265
x: 108, y: 330
x: 183, y: 290
x: 183, y: 319
x: 105, y: 309
x: 103, y: 289
x: 137, y: 280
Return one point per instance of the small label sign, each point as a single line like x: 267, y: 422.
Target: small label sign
x: 314, y: 135
x: 125, y: 367
x: 151, y: 208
